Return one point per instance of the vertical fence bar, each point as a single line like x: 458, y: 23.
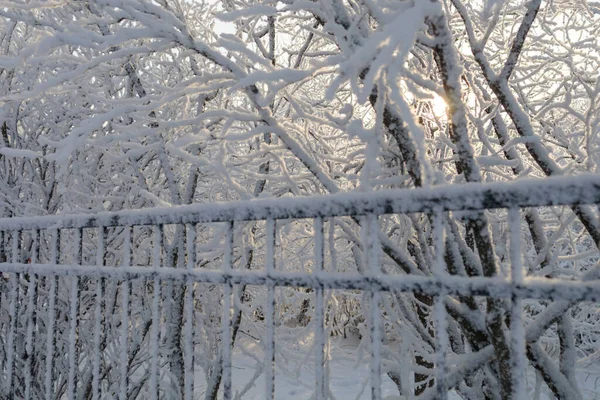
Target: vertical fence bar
x: 188, y: 332
x: 3, y: 259
x: 441, y: 317
x: 98, y: 317
x: 125, y: 293
x: 2, y: 249
x: 31, y: 316
x: 370, y: 233
x: 331, y: 244
x: 320, y: 391
x: 517, y: 329
x: 13, y: 295
x: 270, y: 312
x: 50, y: 334
x: 158, y: 232
x: 74, y: 306
x: 227, y: 291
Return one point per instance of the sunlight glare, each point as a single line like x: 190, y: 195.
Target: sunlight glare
x: 438, y: 105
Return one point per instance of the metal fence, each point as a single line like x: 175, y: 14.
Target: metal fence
x: 70, y: 286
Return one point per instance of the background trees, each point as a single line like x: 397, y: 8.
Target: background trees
x: 111, y: 105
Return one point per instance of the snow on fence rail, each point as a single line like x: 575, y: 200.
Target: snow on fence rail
x: 39, y: 337
x: 566, y: 190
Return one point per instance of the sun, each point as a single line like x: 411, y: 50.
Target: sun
x: 438, y: 104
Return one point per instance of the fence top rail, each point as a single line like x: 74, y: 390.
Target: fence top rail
x: 553, y: 191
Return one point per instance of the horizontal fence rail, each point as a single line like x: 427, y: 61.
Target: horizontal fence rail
x: 130, y: 304
x: 533, y: 288
x: 555, y: 191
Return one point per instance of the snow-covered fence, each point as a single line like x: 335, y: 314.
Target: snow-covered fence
x: 40, y: 338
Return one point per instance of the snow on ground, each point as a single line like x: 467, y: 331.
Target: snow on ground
x: 295, y: 378
x: 348, y: 378
x: 589, y: 383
